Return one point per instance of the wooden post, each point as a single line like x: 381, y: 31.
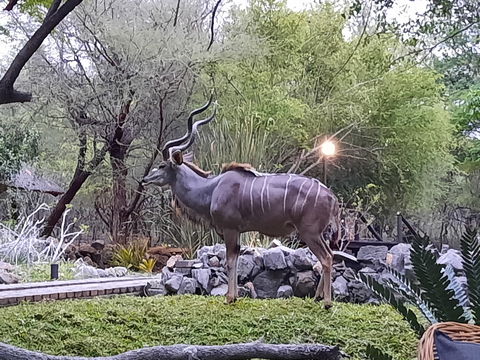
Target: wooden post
x: 399, y: 227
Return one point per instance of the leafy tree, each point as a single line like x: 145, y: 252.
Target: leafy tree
x: 17, y: 145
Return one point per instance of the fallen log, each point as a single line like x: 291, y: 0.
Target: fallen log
x: 196, y: 352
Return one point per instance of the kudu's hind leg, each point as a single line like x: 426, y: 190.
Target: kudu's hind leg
x: 324, y: 255
x: 232, y: 243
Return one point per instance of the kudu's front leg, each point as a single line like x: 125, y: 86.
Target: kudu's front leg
x: 232, y: 242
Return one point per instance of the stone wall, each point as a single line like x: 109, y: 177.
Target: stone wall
x: 280, y: 272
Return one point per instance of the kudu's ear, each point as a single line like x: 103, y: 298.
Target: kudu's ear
x: 177, y: 157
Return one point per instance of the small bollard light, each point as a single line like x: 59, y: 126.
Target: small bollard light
x: 53, y: 271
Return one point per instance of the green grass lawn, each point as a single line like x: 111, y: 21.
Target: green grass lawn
x: 101, y: 327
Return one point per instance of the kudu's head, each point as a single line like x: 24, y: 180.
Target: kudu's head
x: 172, y: 152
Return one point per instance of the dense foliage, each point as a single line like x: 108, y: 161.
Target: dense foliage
x: 114, y: 89
x: 110, y: 326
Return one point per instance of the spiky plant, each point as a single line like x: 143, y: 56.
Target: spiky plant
x: 437, y: 294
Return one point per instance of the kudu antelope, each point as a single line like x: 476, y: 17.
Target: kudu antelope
x: 240, y: 200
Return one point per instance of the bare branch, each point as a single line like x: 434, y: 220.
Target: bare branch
x: 212, y: 24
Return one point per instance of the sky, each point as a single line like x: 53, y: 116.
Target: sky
x: 402, y: 11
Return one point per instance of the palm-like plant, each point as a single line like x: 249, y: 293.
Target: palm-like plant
x: 437, y: 293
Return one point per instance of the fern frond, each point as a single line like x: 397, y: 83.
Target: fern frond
x: 413, y: 294
x: 374, y: 353
x: 434, y: 283
x: 471, y: 264
x: 460, y: 293
x: 386, y: 294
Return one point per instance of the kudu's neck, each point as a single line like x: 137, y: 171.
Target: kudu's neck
x: 193, y: 190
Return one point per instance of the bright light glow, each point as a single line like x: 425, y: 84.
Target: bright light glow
x: 328, y: 148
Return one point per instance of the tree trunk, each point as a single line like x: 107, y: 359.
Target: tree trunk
x: 78, y: 180
x: 119, y: 194
x: 79, y: 177
x: 188, y: 352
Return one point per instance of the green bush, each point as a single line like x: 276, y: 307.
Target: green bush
x: 102, y: 327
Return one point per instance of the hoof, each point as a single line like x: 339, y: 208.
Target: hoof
x: 230, y: 299
x: 328, y: 306
x: 317, y: 299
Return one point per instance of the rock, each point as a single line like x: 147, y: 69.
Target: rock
x: 6, y: 266
x: 318, y: 268
x: 245, y: 250
x: 173, y: 284
x: 202, y: 276
x: 220, y: 290
x: 444, y: 249
x: 102, y: 273
x: 8, y: 278
x: 251, y: 289
x: 187, y: 264
x: 340, y: 288
x: 220, y: 251
x: 159, y: 290
x: 98, y: 245
x: 369, y: 272
x: 218, y: 278
x: 120, y: 271
x: 359, y: 293
x: 244, y: 291
x: 84, y: 271
x: 204, y: 250
x: 87, y: 260
x: 166, y: 273
x: 86, y: 250
x: 266, y: 284
x: 305, y: 284
x: 110, y: 272
x: 349, y: 274
x: 245, y: 266
x: 343, y: 256
x: 400, y: 260
x: 183, y: 271
x: 274, y: 243
x: 214, y: 261
x: 188, y: 286
x: 302, y: 260
x: 173, y: 260
x: 284, y: 291
x: 370, y: 253
x: 340, y: 267
x: 452, y: 257
x: 274, y: 259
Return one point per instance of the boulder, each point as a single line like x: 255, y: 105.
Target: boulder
x: 266, y: 283
x: 188, y: 286
x: 400, y: 259
x: 98, y: 245
x: 120, y: 271
x: 359, y: 293
x: 6, y: 266
x: 372, y: 253
x: 202, y: 276
x: 302, y: 260
x: 340, y: 288
x: 220, y: 290
x: 214, y: 261
x: 349, y: 274
x: 305, y: 284
x: 155, y: 288
x: 284, y: 291
x: 452, y: 257
x: 173, y: 260
x: 246, y: 264
x: 173, y: 284
x: 274, y: 259
x: 8, y: 278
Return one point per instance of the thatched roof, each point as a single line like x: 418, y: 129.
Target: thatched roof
x: 27, y: 179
